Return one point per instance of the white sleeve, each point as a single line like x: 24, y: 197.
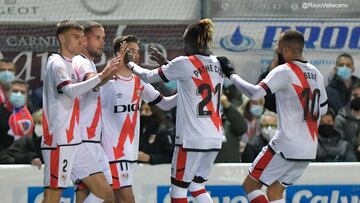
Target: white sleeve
x: 77, y: 89
x: 148, y: 76
x: 174, y: 70
x: 278, y: 78
x: 153, y: 97
x: 82, y: 67
x: 59, y: 74
x: 254, y: 92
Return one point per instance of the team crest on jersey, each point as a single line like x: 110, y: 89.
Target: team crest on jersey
x: 125, y: 176
x: 60, y: 73
x: 63, y: 177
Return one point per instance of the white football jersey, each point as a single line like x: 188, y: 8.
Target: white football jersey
x: 300, y: 92
x: 90, y: 103
x: 61, y: 113
x: 120, y: 102
x: 199, y: 85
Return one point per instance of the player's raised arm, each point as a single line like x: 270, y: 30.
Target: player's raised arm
x: 254, y: 92
x: 154, y: 97
x: 74, y: 90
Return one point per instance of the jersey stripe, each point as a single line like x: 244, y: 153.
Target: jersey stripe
x: 92, y: 129
x: 265, y: 87
x: 162, y: 76
x: 74, y: 118
x: 311, y: 124
x: 157, y: 100
x: 215, y: 115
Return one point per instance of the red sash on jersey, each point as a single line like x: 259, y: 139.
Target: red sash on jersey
x: 47, y: 137
x: 92, y: 129
x: 129, y: 125
x: 21, y: 123
x: 215, y: 115
x: 311, y: 124
x: 74, y: 118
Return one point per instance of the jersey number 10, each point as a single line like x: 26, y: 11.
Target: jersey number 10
x: 207, y: 98
x: 315, y: 106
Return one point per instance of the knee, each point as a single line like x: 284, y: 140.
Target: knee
x: 274, y: 193
x: 250, y: 185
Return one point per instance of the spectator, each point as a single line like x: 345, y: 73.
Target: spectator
x: 356, y: 144
x: 252, y: 113
x: 331, y: 147
x: 16, y: 122
x: 27, y: 149
x: 234, y: 126
x: 347, y: 122
x: 268, y: 125
x: 157, y: 136
x: 7, y: 75
x: 342, y: 82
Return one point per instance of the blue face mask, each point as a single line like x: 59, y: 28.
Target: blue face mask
x: 6, y: 77
x: 171, y: 86
x: 256, y: 110
x: 344, y: 72
x: 17, y: 99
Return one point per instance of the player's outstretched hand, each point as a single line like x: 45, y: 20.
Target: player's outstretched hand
x: 226, y: 66
x: 110, y: 68
x: 128, y: 57
x: 157, y: 56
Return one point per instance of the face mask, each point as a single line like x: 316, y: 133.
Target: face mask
x: 256, y: 110
x: 38, y: 130
x: 326, y: 130
x: 344, y: 72
x: 17, y: 99
x: 6, y: 77
x: 171, y: 86
x: 268, y: 132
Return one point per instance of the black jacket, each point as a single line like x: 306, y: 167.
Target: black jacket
x: 22, y: 151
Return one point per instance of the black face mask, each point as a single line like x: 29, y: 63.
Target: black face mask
x: 281, y: 59
x: 145, y: 120
x: 327, y: 131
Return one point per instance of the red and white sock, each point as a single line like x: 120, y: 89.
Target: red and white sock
x: 199, y: 193
x: 257, y: 196
x: 178, y: 194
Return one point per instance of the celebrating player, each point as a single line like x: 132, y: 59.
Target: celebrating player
x: 90, y: 106
x: 300, y: 101
x: 64, y: 154
x: 121, y: 98
x: 198, y: 122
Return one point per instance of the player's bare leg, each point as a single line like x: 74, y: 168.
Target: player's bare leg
x: 124, y: 195
x: 253, y: 190
x: 275, y: 192
x: 52, y: 195
x: 81, y: 194
x: 99, y: 186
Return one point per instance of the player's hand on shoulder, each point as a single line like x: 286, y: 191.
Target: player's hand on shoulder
x: 226, y: 66
x: 157, y: 56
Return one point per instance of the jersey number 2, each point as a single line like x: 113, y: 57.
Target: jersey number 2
x: 315, y: 106
x: 208, y: 97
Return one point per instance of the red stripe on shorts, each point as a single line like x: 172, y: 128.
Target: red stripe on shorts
x: 262, y: 163
x: 180, y: 164
x: 54, y: 167
x: 115, y: 176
